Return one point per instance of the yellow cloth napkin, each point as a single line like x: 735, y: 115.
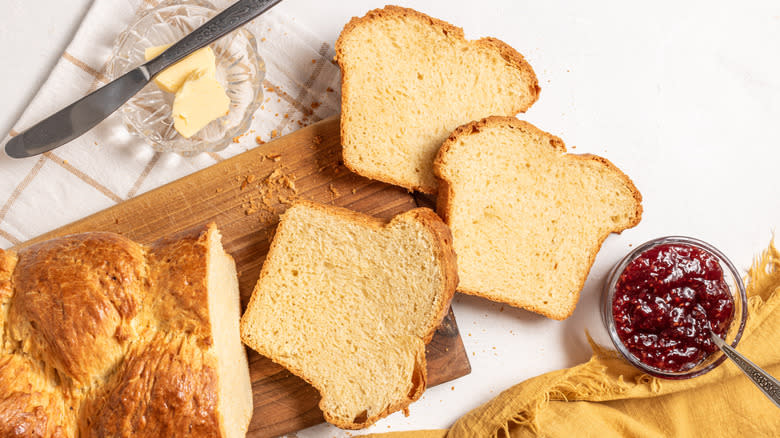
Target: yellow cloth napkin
x: 607, y: 397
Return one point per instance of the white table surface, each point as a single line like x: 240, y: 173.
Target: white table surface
x: 683, y: 96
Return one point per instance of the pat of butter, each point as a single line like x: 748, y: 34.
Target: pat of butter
x: 172, y: 78
x: 199, y: 101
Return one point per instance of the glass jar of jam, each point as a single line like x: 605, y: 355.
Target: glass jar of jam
x: 662, y: 300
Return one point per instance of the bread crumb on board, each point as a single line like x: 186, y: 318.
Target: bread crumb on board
x: 334, y: 191
x: 273, y: 175
x: 248, y: 179
x: 269, y: 196
x: 251, y: 208
x: 289, y: 182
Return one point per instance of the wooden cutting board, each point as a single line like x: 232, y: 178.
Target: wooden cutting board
x: 244, y: 195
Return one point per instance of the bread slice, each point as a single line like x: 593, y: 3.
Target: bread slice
x: 347, y: 302
x: 408, y: 80
x: 527, y: 219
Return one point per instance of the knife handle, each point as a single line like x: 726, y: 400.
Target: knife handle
x: 226, y: 21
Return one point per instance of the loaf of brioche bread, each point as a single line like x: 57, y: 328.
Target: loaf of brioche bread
x: 527, y: 219
x: 102, y: 337
x: 408, y: 80
x: 347, y: 302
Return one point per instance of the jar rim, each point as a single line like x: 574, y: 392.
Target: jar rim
x: 739, y: 295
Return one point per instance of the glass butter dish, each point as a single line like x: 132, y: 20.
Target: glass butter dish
x: 239, y: 69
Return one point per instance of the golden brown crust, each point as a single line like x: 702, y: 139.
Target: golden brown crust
x: 446, y: 254
x: 30, y: 405
x: 109, y: 337
x: 350, y: 215
x: 88, y: 284
x: 390, y: 11
x: 385, y: 178
x: 7, y: 265
x: 179, y: 284
x: 419, y: 383
x: 166, y: 387
x: 507, y: 52
x: 444, y: 199
x: 516, y: 59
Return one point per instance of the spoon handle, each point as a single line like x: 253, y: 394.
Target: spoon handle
x: 765, y: 382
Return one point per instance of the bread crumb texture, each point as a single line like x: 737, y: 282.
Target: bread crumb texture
x: 347, y: 302
x: 408, y: 80
x: 104, y: 337
x: 528, y: 219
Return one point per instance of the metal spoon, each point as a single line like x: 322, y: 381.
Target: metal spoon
x: 765, y: 382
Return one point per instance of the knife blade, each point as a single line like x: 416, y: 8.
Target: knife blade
x: 78, y: 117
x: 82, y: 115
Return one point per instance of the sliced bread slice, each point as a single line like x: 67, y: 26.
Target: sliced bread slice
x: 527, y: 219
x: 347, y: 302
x: 408, y: 80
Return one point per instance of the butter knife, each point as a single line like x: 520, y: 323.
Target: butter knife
x: 80, y: 116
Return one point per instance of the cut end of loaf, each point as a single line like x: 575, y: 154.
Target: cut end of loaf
x: 408, y: 80
x: 224, y: 302
x: 347, y: 302
x: 527, y: 218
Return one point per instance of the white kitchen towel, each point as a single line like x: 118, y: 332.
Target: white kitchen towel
x: 107, y: 165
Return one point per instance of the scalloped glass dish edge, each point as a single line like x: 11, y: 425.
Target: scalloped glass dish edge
x: 157, y: 129
x: 736, y: 327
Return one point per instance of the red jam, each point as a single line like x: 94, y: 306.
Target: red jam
x: 666, y: 300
